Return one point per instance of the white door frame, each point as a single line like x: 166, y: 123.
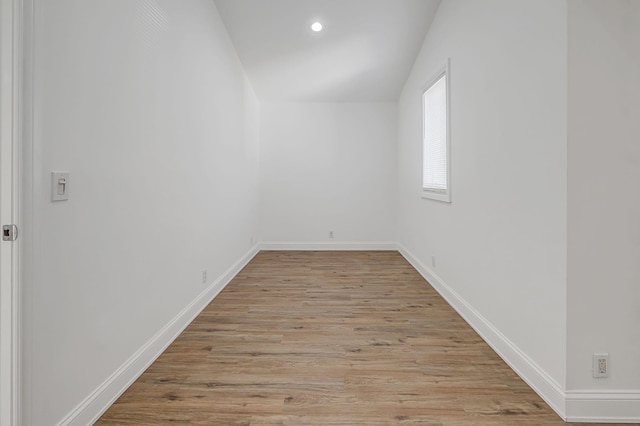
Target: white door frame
x: 10, y: 158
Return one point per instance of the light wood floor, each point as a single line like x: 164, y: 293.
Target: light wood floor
x: 329, y: 338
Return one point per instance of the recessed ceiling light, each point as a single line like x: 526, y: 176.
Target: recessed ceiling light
x: 316, y: 26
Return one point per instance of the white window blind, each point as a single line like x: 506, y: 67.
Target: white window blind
x: 435, y: 161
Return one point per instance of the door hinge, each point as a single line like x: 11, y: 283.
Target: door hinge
x: 9, y: 232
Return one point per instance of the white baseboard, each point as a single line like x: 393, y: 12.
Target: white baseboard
x: 548, y: 389
x: 326, y: 246
x: 90, y: 410
x: 595, y: 406
x: 590, y: 406
x: 574, y: 406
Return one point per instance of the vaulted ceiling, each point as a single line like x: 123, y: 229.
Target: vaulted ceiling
x: 364, y: 52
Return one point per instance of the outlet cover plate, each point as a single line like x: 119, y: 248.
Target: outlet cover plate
x: 601, y: 366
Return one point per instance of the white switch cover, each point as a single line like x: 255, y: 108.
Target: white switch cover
x: 59, y: 186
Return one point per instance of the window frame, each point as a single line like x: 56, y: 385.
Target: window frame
x: 435, y: 194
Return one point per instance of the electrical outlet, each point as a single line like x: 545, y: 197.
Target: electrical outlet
x: 600, y: 366
x: 433, y: 261
x: 204, y: 276
x: 330, y: 234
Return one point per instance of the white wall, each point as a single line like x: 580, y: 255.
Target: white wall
x: 327, y: 167
x: 501, y: 244
x: 146, y: 105
x: 604, y: 193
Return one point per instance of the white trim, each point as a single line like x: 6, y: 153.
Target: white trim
x: 611, y: 406
x: 445, y: 197
x: 11, y: 95
x: 548, y: 389
x: 328, y: 246
x: 574, y: 406
x: 90, y: 410
x: 596, y: 406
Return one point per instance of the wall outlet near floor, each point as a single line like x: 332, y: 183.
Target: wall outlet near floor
x: 204, y: 276
x: 600, y: 366
x: 433, y: 261
x: 330, y: 234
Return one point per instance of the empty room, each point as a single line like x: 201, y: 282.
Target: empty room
x: 327, y: 212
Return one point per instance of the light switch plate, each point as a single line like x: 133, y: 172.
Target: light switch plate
x: 59, y: 186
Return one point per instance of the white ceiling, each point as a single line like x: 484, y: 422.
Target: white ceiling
x: 364, y: 53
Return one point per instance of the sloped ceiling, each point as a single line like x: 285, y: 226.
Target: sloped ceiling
x: 364, y: 53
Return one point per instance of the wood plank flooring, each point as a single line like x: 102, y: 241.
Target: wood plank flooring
x: 329, y: 338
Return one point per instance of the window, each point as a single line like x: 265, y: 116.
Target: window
x: 436, y: 173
